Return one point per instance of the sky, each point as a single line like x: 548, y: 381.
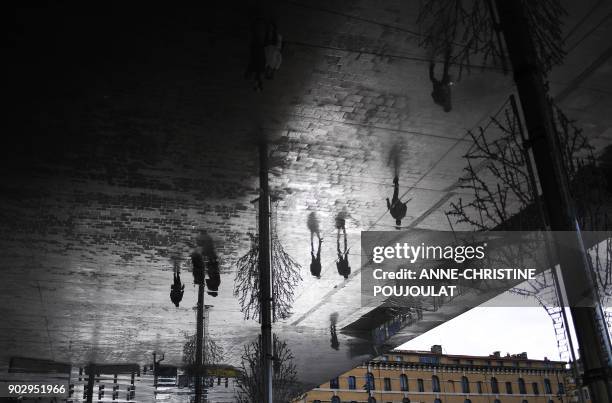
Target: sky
x: 483, y: 330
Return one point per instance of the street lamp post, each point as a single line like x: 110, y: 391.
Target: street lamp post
x: 265, y: 273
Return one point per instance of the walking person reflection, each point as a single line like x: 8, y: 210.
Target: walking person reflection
x: 206, y: 263
x: 335, y: 344
x: 214, y: 276
x: 333, y: 318
x: 257, y: 56
x: 441, y: 93
x: 396, y: 207
x: 273, y: 46
x: 177, y: 288
x: 342, y: 264
x: 315, y: 262
x: 198, y: 268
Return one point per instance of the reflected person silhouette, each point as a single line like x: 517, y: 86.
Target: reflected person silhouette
x: 333, y: 318
x: 177, y: 288
x: 396, y: 207
x: 198, y: 268
x: 342, y: 264
x: 214, y: 276
x: 441, y: 93
x: 313, y: 226
x: 206, y: 262
x: 257, y: 57
x: 315, y: 263
x: 335, y: 344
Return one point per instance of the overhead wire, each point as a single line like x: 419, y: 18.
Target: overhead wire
x: 391, y: 55
x: 366, y: 20
x: 447, y: 152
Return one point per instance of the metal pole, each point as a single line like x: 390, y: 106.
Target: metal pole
x: 90, y: 382
x: 155, y: 370
x: 547, y: 242
x: 265, y: 273
x: 197, y: 365
x: 581, y: 292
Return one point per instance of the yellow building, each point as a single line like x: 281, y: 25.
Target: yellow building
x: 432, y: 377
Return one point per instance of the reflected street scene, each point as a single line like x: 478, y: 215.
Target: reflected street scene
x: 195, y: 199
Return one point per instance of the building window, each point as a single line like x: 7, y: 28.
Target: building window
x: 351, y: 383
x: 509, y: 388
x: 437, y: 401
x: 536, y: 390
x: 465, y: 384
x: 494, y: 385
x: 435, y: 384
x: 398, y: 358
x: 333, y: 383
x: 335, y: 399
x: 524, y: 401
x: 387, y: 383
x: 405, y: 400
x: 561, y: 388
x: 428, y: 360
x: 547, y: 387
x: 496, y: 401
x: 467, y: 401
x: 403, y: 383
x: 420, y: 385
x: 522, y: 388
x: 479, y: 387
x: 370, y: 384
x: 500, y: 363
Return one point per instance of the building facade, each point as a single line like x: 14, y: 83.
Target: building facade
x: 432, y: 377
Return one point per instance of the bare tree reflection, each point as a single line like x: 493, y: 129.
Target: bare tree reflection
x: 285, y: 277
x: 250, y: 383
x: 497, y: 207
x: 468, y: 29
x: 213, y: 353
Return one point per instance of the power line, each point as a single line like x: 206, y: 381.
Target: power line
x: 392, y: 56
x: 373, y: 22
x: 446, y: 153
x: 371, y: 126
x: 357, y: 18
